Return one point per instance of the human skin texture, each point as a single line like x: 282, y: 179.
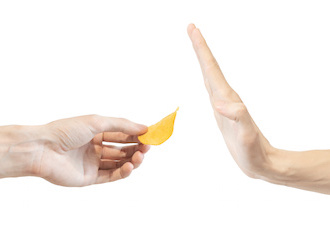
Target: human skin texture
x: 71, y: 152
x: 256, y: 157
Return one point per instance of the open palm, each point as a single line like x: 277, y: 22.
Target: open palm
x: 249, y: 148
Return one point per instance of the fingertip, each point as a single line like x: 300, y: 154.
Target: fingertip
x: 126, y: 169
x: 196, y: 36
x: 144, y: 148
x: 137, y: 159
x: 147, y: 147
x: 142, y: 129
x: 190, y: 28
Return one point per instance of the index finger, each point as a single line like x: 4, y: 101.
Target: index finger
x: 215, y: 82
x: 119, y: 137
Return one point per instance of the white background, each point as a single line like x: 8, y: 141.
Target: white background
x: 133, y: 59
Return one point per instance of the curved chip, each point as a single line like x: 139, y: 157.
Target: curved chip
x: 159, y: 132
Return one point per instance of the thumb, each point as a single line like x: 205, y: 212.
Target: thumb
x: 99, y: 124
x: 235, y: 111
x: 74, y: 132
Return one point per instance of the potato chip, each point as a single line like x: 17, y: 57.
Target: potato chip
x: 159, y: 132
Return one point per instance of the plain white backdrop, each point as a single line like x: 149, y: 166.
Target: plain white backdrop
x: 133, y: 59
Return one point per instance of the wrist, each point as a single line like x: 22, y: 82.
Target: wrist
x: 21, y: 149
x: 279, y: 169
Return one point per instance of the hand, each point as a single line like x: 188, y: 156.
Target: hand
x: 70, y: 152
x: 77, y: 156
x: 250, y: 149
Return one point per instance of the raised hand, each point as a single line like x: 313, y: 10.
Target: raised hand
x: 247, y: 145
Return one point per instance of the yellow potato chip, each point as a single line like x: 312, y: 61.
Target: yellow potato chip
x: 159, y: 132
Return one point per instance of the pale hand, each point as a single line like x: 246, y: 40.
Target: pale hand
x: 70, y: 152
x: 249, y: 148
x: 252, y: 152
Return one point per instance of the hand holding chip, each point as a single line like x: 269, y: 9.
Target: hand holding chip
x: 72, y: 152
x: 82, y: 158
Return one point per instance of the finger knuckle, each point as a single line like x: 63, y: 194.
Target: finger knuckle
x: 95, y: 122
x: 241, y: 110
x: 122, y: 119
x: 93, y: 117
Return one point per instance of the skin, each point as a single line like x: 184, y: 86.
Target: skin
x: 256, y: 157
x: 70, y: 152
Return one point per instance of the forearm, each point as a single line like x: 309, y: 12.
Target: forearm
x: 308, y: 170
x: 20, y: 150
